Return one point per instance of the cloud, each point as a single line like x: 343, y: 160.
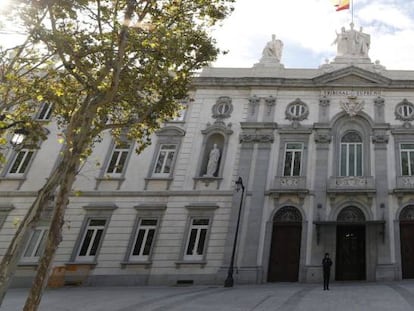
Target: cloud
x: 307, y: 29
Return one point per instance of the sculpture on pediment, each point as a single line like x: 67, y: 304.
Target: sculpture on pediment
x: 352, y: 43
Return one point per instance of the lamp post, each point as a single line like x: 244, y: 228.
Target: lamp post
x: 229, y: 280
x: 18, y: 137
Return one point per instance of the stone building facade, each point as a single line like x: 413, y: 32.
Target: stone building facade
x: 326, y: 156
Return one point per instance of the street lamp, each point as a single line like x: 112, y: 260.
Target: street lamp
x: 18, y: 137
x: 229, y: 280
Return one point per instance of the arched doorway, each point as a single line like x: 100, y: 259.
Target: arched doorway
x: 350, y: 245
x: 407, y: 242
x: 285, y: 247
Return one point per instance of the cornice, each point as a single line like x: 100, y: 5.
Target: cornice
x: 258, y: 125
x: 116, y: 194
x: 331, y: 79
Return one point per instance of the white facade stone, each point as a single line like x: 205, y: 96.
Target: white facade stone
x: 253, y: 141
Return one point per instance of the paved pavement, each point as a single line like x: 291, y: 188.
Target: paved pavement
x: 347, y: 296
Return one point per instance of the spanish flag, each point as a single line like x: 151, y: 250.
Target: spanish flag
x: 341, y: 4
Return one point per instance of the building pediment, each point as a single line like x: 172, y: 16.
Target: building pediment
x: 352, y: 76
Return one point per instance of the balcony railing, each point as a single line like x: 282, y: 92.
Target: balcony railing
x: 289, y: 183
x: 405, y: 182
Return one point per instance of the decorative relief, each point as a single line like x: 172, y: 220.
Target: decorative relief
x: 324, y: 101
x: 297, y: 111
x: 323, y: 138
x: 256, y: 138
x: 380, y: 139
x: 223, y: 108
x: 289, y: 182
x: 352, y: 106
x: 351, y: 181
x: 379, y: 101
x: 404, y: 111
x: 407, y: 181
x: 407, y: 213
x: 351, y: 214
x: 288, y: 214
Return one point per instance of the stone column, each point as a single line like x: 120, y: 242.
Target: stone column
x: 255, y: 140
x: 379, y: 116
x: 324, y: 109
x: 253, y: 110
x: 254, y: 212
x: 245, y: 161
x: 380, y: 139
x: 322, y: 140
x: 269, y: 109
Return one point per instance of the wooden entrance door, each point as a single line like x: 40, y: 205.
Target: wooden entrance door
x: 350, y: 253
x: 285, y: 252
x: 407, y: 249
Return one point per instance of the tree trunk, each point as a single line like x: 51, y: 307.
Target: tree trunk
x: 54, y: 235
x: 77, y: 141
x: 61, y: 177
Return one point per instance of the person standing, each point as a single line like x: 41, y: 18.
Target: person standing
x: 326, y: 266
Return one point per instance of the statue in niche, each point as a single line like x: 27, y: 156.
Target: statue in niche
x: 352, y: 42
x: 213, y: 160
x: 273, y: 49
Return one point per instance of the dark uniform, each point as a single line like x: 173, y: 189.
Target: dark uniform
x: 326, y: 265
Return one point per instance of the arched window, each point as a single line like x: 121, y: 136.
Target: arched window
x: 288, y: 214
x: 351, y: 154
x: 407, y: 214
x: 351, y: 214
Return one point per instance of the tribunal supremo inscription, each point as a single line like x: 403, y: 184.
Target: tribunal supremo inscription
x: 363, y: 92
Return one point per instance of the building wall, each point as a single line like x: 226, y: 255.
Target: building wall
x: 252, y: 139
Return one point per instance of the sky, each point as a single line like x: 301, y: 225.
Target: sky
x: 308, y: 29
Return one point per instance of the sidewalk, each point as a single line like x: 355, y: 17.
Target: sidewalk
x: 347, y: 296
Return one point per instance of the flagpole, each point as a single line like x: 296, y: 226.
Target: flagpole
x: 352, y: 11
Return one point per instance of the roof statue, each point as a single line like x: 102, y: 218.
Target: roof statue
x: 352, y: 48
x: 272, y: 53
x: 273, y: 49
x: 352, y: 43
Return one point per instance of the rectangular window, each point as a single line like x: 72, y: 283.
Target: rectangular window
x: 21, y: 162
x: 118, y: 159
x: 144, y: 239
x: 45, y: 111
x: 91, y: 239
x: 180, y: 114
x: 407, y: 159
x: 165, y: 160
x: 293, y: 159
x: 196, y: 239
x: 351, y: 159
x: 35, y: 245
